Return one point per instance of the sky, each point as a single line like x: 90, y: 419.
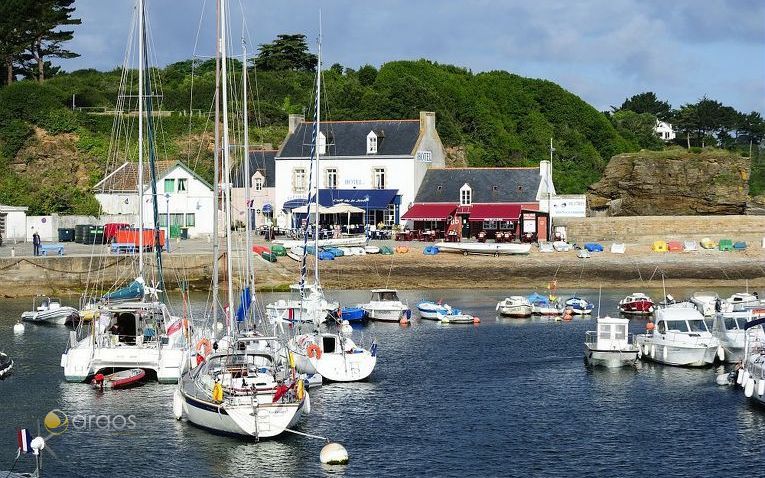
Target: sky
x: 601, y: 50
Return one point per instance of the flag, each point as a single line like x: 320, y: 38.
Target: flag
x: 244, y: 305
x: 25, y: 441
x: 175, y: 327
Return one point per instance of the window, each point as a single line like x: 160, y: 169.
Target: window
x: 620, y: 332
x: 169, y: 185
x: 182, y: 185
x: 371, y: 143
x: 425, y: 156
x: 331, y: 178
x: 490, y: 225
x: 190, y: 220
x: 322, y: 140
x: 390, y: 215
x: 466, y: 195
x: 506, y: 225
x: 258, y: 184
x: 298, y: 180
x: 605, y: 331
x: 163, y: 220
x: 379, y: 178
x: 677, y: 325
x: 176, y: 219
x: 697, y: 325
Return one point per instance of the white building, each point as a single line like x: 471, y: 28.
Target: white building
x: 262, y: 192
x: 375, y: 165
x: 13, y: 223
x: 183, y: 196
x: 664, y: 131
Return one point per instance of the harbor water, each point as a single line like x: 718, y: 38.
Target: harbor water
x: 506, y: 397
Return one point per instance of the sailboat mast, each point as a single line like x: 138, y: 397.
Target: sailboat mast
x: 318, y: 155
x: 216, y: 170
x: 140, y: 136
x: 226, y: 167
x: 247, y: 174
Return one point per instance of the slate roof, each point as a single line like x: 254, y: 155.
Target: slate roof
x: 489, y: 185
x: 260, y: 160
x: 125, y: 178
x: 349, y: 138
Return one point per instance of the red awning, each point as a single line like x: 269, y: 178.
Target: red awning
x: 430, y: 212
x: 495, y: 212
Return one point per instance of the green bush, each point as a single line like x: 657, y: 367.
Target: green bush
x: 696, y: 149
x: 13, y: 134
x: 60, y: 121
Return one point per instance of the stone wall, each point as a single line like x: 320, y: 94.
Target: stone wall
x: 645, y: 229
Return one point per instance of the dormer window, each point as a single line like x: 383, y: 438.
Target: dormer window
x: 322, y: 143
x: 466, y: 195
x: 371, y: 143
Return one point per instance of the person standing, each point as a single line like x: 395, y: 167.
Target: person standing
x: 36, y: 243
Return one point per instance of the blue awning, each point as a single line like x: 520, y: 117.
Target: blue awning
x: 267, y: 208
x: 293, y: 203
x: 363, y: 198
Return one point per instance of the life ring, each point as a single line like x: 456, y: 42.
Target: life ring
x: 204, y: 344
x: 313, y: 350
x: 299, y: 390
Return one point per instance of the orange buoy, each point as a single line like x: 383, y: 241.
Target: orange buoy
x: 403, y: 321
x: 204, y: 344
x: 476, y: 320
x: 313, y: 350
x: 650, y: 326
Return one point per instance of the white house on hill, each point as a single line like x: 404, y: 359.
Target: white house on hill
x: 664, y: 130
x: 183, y: 196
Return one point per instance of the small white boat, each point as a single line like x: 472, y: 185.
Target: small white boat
x: 295, y: 253
x: 48, y: 310
x: 385, y: 306
x: 545, y: 246
x: 314, y: 308
x: 706, y: 302
x: 751, y: 376
x: 457, y: 318
x: 579, y: 306
x: 335, y: 357
x: 583, y: 254
x: 372, y: 249
x: 743, y: 300
x: 680, y: 338
x: 345, y: 242
x: 636, y: 303
x: 618, y: 248
x: 609, y: 346
x: 690, y: 246
x: 430, y: 310
x: 730, y: 330
x: 544, y: 305
x: 6, y: 365
x: 493, y: 249
x: 357, y: 251
x: 514, y: 306
x: 561, y: 246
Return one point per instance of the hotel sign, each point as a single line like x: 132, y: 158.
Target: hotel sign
x: 568, y: 206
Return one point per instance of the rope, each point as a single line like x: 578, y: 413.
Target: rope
x: 307, y: 435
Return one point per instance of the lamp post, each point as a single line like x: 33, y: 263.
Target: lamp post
x: 167, y: 238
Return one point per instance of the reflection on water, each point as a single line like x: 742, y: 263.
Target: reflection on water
x: 507, y: 397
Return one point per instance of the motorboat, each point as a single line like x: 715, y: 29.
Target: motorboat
x: 544, y: 305
x: 6, y: 365
x: 336, y: 357
x: 636, y: 304
x: 730, y: 330
x: 751, y: 375
x: 706, y: 302
x: 680, y: 337
x: 48, y: 310
x: 134, y: 334
x: 579, y: 306
x: 610, y: 346
x: 494, y: 249
x: 457, y: 317
x: 430, y: 310
x: 743, y: 300
x: 244, y: 390
x: 385, y: 306
x: 314, y: 307
x: 515, y: 306
x: 123, y: 379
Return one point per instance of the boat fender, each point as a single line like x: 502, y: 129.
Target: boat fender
x: 749, y: 388
x: 745, y: 378
x: 291, y: 360
x: 299, y: 389
x: 761, y: 388
x: 721, y: 353
x: 204, y: 344
x: 476, y: 320
x: 334, y: 454
x: 640, y: 353
x: 722, y: 379
x: 177, y: 404
x: 18, y: 328
x: 307, y: 403
x: 740, y: 376
x: 313, y: 350
x: 653, y: 351
x: 649, y: 326
x: 664, y: 354
x: 217, y: 391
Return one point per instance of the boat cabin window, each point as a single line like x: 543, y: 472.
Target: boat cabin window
x: 605, y: 331
x: 620, y: 332
x: 387, y: 295
x: 697, y: 326
x: 731, y: 323
x: 676, y: 325
x: 328, y: 344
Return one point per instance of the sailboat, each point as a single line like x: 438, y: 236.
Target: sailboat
x: 243, y: 387
x: 132, y: 327
x: 334, y: 356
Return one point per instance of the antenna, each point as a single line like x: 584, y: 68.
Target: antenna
x: 600, y: 291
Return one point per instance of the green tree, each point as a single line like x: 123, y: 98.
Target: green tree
x: 287, y: 52
x: 647, y: 103
x: 638, y: 127
x: 752, y: 128
x: 46, y: 41
x: 15, y: 17
x: 367, y: 75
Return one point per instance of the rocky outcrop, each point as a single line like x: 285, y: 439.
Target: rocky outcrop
x: 672, y: 182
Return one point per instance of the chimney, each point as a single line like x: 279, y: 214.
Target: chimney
x: 427, y: 121
x: 295, y: 121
